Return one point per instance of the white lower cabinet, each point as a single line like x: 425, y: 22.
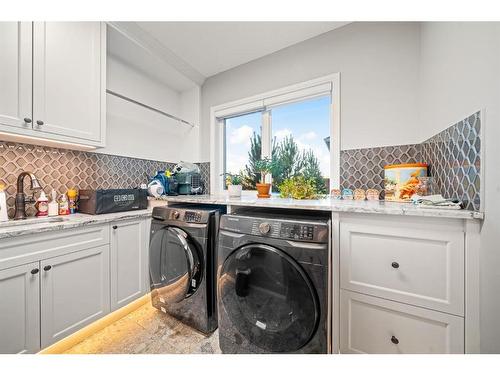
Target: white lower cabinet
x: 402, y: 285
x: 53, y: 284
x: 421, y: 266
x: 20, y: 309
x: 129, y: 262
x: 75, y: 292
x: 378, y: 326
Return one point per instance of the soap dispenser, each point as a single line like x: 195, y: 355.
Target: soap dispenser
x: 3, y: 204
x: 53, y: 205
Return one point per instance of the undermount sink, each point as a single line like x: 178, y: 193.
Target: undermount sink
x: 31, y: 221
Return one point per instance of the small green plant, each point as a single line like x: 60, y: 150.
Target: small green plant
x: 264, y: 166
x: 233, y: 179
x: 298, y: 187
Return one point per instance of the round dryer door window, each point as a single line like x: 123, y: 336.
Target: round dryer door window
x: 175, y: 265
x: 269, y: 298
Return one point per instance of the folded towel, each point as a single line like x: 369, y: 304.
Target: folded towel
x: 436, y: 201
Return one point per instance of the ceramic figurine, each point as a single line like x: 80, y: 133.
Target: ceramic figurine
x: 347, y: 194
x: 336, y: 194
x: 359, y: 195
x: 372, y: 194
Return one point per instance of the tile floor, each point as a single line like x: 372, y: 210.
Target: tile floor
x: 147, y: 331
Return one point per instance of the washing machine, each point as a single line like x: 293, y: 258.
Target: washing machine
x: 272, y: 285
x: 182, y: 263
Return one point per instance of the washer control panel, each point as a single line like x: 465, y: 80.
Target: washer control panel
x: 192, y: 216
x: 295, y: 231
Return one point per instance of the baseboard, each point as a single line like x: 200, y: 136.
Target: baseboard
x: 68, y: 342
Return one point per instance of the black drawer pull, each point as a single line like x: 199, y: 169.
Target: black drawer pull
x: 39, y: 122
x: 115, y: 226
x: 34, y: 271
x: 27, y: 120
x: 47, y: 268
x: 395, y: 265
x: 394, y: 340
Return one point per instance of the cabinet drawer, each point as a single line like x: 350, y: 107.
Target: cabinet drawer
x: 418, y: 266
x: 374, y: 325
x: 35, y: 247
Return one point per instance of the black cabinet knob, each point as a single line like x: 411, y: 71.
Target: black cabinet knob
x: 47, y: 268
x: 39, y: 122
x: 395, y: 265
x: 34, y: 271
x: 394, y: 340
x: 27, y: 120
x: 115, y: 226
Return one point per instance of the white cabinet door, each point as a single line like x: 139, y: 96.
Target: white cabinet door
x: 128, y: 262
x: 419, y: 266
x: 15, y: 74
x: 68, y: 82
x: 377, y: 326
x: 74, y: 292
x: 20, y: 309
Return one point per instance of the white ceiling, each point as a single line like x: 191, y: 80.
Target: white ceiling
x: 213, y: 47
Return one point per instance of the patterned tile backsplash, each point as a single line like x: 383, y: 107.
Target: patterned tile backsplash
x: 62, y: 169
x: 364, y: 168
x: 453, y: 156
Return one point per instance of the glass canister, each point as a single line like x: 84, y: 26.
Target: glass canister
x: 425, y: 186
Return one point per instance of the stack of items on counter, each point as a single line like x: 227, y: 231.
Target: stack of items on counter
x: 403, y: 183
x: 356, y: 194
x: 90, y: 201
x: 185, y: 178
x: 65, y: 205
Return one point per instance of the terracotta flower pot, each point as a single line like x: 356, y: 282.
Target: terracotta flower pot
x: 263, y: 190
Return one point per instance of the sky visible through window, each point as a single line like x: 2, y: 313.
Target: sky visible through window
x: 307, y: 121
x: 239, y: 131
x: 309, y: 124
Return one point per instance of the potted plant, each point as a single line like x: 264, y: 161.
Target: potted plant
x: 233, y: 183
x: 298, y: 187
x: 264, y: 167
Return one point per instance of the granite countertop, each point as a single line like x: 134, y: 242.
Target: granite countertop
x: 328, y: 204
x: 46, y: 224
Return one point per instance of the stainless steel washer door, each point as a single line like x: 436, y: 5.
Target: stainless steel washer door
x: 175, y: 264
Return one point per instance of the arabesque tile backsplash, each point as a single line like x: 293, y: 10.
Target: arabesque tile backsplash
x: 453, y: 155
x: 62, y: 169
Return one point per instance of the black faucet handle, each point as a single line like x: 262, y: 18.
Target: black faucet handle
x: 30, y: 199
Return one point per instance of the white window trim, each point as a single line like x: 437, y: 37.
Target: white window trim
x: 256, y: 102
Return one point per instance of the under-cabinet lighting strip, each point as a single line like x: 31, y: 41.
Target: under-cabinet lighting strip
x: 148, y: 107
x: 46, y: 141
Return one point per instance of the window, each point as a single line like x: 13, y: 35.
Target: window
x: 242, y: 140
x: 296, y: 126
x: 301, y: 141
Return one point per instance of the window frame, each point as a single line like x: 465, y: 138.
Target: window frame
x: 264, y: 103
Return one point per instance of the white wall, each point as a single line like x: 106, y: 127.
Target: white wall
x: 460, y: 73
x: 379, y: 78
x: 138, y: 132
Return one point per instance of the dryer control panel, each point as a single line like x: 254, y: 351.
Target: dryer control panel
x: 297, y: 231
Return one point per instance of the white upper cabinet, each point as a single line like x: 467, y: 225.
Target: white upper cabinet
x: 53, y: 80
x: 67, y: 78
x: 15, y: 74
